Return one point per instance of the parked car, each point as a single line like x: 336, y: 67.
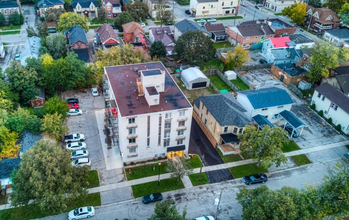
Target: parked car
x: 17, y: 56
x: 204, y: 218
x: 73, y: 100
x: 256, y: 6
x: 345, y: 157
x: 142, y: 24
x: 244, y: 5
x: 81, y: 162
x: 82, y: 212
x: 187, y: 12
x: 74, y: 138
x: 79, y: 154
x: 76, y: 146
x: 73, y: 105
x: 262, y: 61
x: 201, y: 21
x: 169, y: 23
x: 74, y: 112
x: 94, y: 91
x: 255, y: 178
x: 289, y: 129
x: 211, y: 20
x: 51, y: 31
x: 152, y: 198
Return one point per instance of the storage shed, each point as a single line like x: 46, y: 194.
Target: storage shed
x: 193, y: 78
x: 231, y: 75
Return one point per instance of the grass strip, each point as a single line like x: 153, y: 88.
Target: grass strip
x: 290, y: 146
x: 198, y: 179
x: 145, y: 171
x: 246, y: 170
x: 301, y: 159
x: 218, y: 82
x: 240, y: 84
x: 92, y: 178
x: 152, y: 187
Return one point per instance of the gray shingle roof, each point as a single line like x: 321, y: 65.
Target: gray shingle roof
x: 340, y: 33
x: 225, y: 109
x: 186, y: 25
x: 336, y: 96
x: 28, y: 140
x: 268, y: 97
x: 49, y: 3
x: 8, y: 4
x: 84, y: 3
x: 251, y: 28
x: 77, y: 33
x: 7, y: 166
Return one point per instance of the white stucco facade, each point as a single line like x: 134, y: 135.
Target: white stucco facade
x: 278, y: 5
x: 201, y: 8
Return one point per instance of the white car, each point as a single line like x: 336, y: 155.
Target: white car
x: 94, y: 91
x: 79, y: 154
x: 73, y: 112
x: 76, y: 146
x: 211, y: 20
x: 17, y: 56
x: 81, y: 162
x: 204, y: 218
x: 201, y: 21
x: 142, y: 24
x: 82, y: 212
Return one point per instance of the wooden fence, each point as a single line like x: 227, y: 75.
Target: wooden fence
x: 204, y: 129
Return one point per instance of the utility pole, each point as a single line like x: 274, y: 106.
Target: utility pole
x: 254, y: 15
x: 219, y: 202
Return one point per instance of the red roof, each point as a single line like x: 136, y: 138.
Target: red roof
x: 279, y: 42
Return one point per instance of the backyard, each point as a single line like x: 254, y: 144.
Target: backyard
x: 240, y: 84
x: 218, y: 82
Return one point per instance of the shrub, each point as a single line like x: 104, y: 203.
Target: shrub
x: 329, y: 120
x: 321, y: 113
x: 132, y: 163
x: 338, y: 127
x: 313, y: 106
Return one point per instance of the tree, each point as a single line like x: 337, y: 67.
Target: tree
x: 265, y: 204
x: 46, y: 177
x: 334, y: 5
x: 264, y: 145
x: 236, y: 58
x: 323, y: 57
x: 315, y: 3
x: 178, y: 167
x: 2, y: 19
x: 54, y: 126
x: 8, y: 147
x: 158, y: 49
x: 70, y: 19
x: 195, y: 47
x: 101, y: 12
x: 57, y: 45
x: 15, y: 18
x: 138, y: 10
x: 53, y: 14
x: 164, y: 210
x: 162, y: 14
x: 23, y: 119
x: 344, y: 13
x: 123, y: 18
x: 5, y: 103
x: 56, y: 105
x: 296, y: 12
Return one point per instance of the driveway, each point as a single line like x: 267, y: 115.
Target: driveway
x: 200, y: 145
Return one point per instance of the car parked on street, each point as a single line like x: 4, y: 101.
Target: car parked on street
x: 74, y: 137
x: 211, y: 20
x: 204, y: 218
x: 142, y: 24
x: 82, y: 212
x: 94, y: 92
x: 81, y: 162
x: 345, y: 157
x: 262, y: 61
x: 152, y: 198
x: 256, y: 6
x: 74, y: 112
x: 73, y: 105
x: 255, y: 178
x: 187, y: 12
x: 169, y: 23
x: 17, y: 56
x: 201, y: 21
x: 76, y: 146
x: 79, y: 154
x: 73, y: 100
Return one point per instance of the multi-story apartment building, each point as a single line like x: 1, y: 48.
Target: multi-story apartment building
x: 153, y: 115
x: 202, y: 8
x: 9, y: 7
x: 278, y: 5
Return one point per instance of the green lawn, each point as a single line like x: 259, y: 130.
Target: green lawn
x: 9, y: 32
x: 10, y: 27
x: 277, y: 14
x: 300, y: 159
x: 97, y: 21
x: 224, y: 44
x: 121, y: 35
x: 33, y: 211
x: 93, y: 179
x: 157, y: 22
x: 347, y: 146
x: 222, y: 18
x: 218, y: 82
x: 245, y: 170
x: 290, y: 146
x: 307, y: 93
x: 199, y: 179
x: 94, y: 26
x: 152, y: 187
x: 195, y: 162
x: 183, y: 2
x: 145, y: 171
x: 240, y: 84
x: 229, y: 158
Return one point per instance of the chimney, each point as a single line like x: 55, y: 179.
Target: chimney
x: 140, y: 87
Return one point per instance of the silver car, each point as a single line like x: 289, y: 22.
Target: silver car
x: 80, y: 213
x: 73, y: 112
x: 79, y: 154
x: 76, y: 146
x: 81, y: 162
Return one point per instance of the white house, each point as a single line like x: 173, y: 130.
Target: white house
x: 337, y: 36
x: 333, y: 103
x: 268, y: 102
x: 153, y: 115
x: 31, y: 49
x: 200, y: 8
x: 278, y: 5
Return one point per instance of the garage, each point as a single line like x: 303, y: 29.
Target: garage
x: 193, y: 78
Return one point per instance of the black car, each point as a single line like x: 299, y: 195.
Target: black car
x: 262, y: 61
x: 187, y: 12
x: 255, y: 178
x: 256, y: 6
x: 169, y: 23
x: 51, y: 31
x: 152, y: 198
x: 289, y: 129
x: 73, y: 101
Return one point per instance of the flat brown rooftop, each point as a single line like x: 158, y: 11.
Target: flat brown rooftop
x: 123, y: 81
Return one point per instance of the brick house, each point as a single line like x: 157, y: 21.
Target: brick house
x: 134, y: 34
x: 112, y: 8
x: 216, y: 31
x: 321, y: 19
x: 86, y: 7
x: 44, y: 5
x: 9, y: 7
x: 280, y: 27
x: 288, y: 73
x: 77, y: 41
x: 106, y: 37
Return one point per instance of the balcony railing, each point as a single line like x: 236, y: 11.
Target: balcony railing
x: 182, y: 118
x: 323, y: 26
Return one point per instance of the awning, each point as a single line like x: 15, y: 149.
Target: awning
x: 262, y: 121
x: 176, y: 148
x: 293, y: 120
x: 230, y: 138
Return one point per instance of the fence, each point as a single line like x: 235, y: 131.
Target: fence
x: 221, y: 75
x: 294, y: 89
x: 204, y: 129
x: 253, y: 67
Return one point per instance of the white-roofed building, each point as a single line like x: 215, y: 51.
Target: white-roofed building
x: 31, y: 49
x: 193, y: 78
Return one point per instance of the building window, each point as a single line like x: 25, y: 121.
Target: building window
x: 281, y: 106
x: 10, y: 11
x: 148, y: 126
x: 319, y: 95
x: 203, y: 7
x: 5, y: 11
x: 131, y: 120
x: 181, y: 113
x: 108, y: 7
x: 205, y: 121
x: 181, y: 123
x: 225, y: 130
x: 179, y: 142
x: 231, y: 3
x: 159, y: 134
x: 211, y: 6
x: 201, y: 116
x: 240, y: 130
x: 132, y: 150
x: 133, y: 140
x: 180, y: 132
x: 334, y: 106
x: 167, y: 125
x: 255, y: 37
x: 166, y: 143
x: 168, y: 115
x: 264, y: 109
x: 148, y: 141
x: 109, y: 14
x: 131, y: 131
x: 235, y: 130
x: 323, y: 98
x: 247, y: 38
x: 167, y: 134
x: 222, y: 3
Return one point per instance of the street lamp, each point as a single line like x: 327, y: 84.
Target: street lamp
x: 159, y: 174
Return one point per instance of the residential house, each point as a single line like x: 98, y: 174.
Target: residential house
x: 301, y: 41
x: 112, y: 8
x: 282, y: 55
x: 278, y: 5
x: 334, y: 104
x: 288, y: 73
x: 164, y: 35
x: 87, y: 8
x: 2, y: 50
x: 216, y: 31
x: 337, y: 36
x: 339, y: 78
x: 184, y: 26
x: 275, y: 43
x: 78, y: 43
x: 280, y: 27
x: 31, y: 49
x: 321, y: 19
x: 268, y: 102
x: 124, y: 3
x: 106, y: 37
x: 27, y: 141
x: 134, y: 34
x: 202, y: 8
x: 9, y: 7
x: 346, y: 44
x: 153, y: 116
x: 154, y: 6
x: 296, y: 41
x: 249, y: 33
x: 7, y: 166
x: 223, y: 117
x: 44, y: 5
